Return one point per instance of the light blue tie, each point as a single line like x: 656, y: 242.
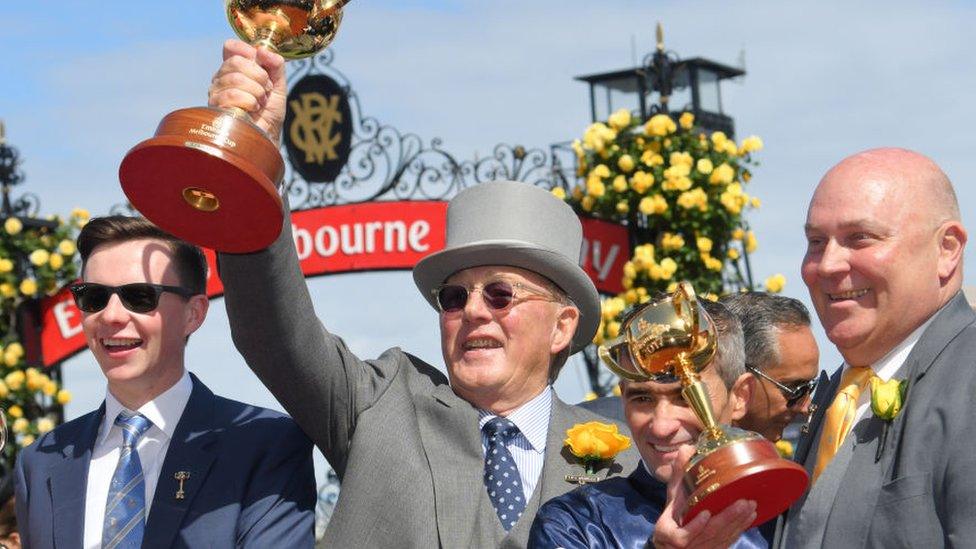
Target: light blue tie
x: 501, y: 474
x: 126, y: 507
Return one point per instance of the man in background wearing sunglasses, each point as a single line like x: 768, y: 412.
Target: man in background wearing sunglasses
x: 782, y: 354
x: 163, y: 462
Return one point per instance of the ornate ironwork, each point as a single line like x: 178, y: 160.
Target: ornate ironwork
x: 26, y: 205
x: 386, y: 164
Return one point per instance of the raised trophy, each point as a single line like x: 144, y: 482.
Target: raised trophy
x: 210, y: 176
x: 672, y: 339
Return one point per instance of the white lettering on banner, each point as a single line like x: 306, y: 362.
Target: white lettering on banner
x: 362, y: 238
x: 602, y: 267
x: 371, y: 229
x: 320, y: 247
x: 63, y: 315
x: 391, y: 227
x: 303, y: 242
x: 418, y: 231
x: 351, y: 245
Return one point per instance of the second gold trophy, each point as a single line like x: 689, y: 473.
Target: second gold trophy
x: 673, y: 339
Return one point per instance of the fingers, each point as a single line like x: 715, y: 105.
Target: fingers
x: 238, y: 48
x: 273, y: 63
x: 675, y: 489
x: 725, y: 528
x: 240, y: 82
x: 705, y: 530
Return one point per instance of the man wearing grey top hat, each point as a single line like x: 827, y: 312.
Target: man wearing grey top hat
x: 427, y: 460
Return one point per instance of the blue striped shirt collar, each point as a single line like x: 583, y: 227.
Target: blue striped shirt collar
x: 532, y: 419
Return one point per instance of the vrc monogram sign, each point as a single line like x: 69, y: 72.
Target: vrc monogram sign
x: 318, y: 128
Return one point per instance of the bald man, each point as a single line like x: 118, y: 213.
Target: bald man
x: 884, y: 269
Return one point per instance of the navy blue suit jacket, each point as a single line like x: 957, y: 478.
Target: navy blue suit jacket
x: 251, y: 480
x: 617, y: 512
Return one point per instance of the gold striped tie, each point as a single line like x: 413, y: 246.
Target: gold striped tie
x: 840, y: 416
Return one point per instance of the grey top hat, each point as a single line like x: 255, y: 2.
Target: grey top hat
x: 518, y: 225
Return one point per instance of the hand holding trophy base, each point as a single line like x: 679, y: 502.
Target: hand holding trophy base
x: 673, y: 339
x: 210, y: 176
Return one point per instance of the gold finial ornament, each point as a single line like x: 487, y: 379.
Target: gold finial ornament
x: 660, y: 36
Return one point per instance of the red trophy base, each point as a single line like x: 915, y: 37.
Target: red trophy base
x: 744, y: 469
x: 208, y: 177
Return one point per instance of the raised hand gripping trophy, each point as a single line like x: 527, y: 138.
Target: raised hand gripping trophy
x: 673, y: 339
x: 210, y: 176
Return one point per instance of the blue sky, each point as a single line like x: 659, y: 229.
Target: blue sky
x: 83, y: 82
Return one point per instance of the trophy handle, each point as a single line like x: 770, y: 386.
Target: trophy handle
x: 604, y: 352
x: 686, y: 294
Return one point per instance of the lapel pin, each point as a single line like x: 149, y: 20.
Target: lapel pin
x: 181, y: 476
x: 806, y: 426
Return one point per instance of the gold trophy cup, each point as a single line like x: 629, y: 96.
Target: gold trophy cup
x: 210, y: 176
x: 672, y: 339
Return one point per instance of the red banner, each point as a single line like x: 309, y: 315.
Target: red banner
x: 359, y: 237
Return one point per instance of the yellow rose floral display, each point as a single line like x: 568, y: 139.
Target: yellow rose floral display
x: 37, y: 259
x: 593, y: 442
x: 681, y: 192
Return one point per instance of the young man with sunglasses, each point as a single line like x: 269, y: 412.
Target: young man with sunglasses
x: 636, y: 511
x: 163, y: 462
x: 428, y: 460
x: 782, y: 354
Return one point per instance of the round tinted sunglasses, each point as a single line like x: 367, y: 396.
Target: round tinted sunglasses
x: 793, y: 395
x: 498, y: 295
x: 138, y: 297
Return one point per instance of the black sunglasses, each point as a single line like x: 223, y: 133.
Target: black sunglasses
x: 138, y: 297
x: 793, y: 395
x: 498, y: 295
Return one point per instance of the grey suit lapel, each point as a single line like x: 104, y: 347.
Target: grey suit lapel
x: 68, y: 483
x: 952, y: 319
x: 451, y: 440
x: 191, y: 450
x: 948, y: 322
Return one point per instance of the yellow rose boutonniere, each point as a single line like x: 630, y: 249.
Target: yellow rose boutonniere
x: 887, y: 397
x: 593, y: 442
x: 887, y: 400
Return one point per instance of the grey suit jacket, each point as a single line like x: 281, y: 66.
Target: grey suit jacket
x: 406, y: 448
x: 918, y: 491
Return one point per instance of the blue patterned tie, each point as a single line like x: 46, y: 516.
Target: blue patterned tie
x: 126, y: 507
x: 501, y: 474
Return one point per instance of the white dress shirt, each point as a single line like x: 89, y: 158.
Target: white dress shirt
x: 886, y: 367
x: 164, y: 412
x: 528, y: 449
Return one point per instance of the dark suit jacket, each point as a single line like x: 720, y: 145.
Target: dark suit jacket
x: 918, y: 491
x: 251, y: 480
x: 618, y: 512
x: 408, y: 450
